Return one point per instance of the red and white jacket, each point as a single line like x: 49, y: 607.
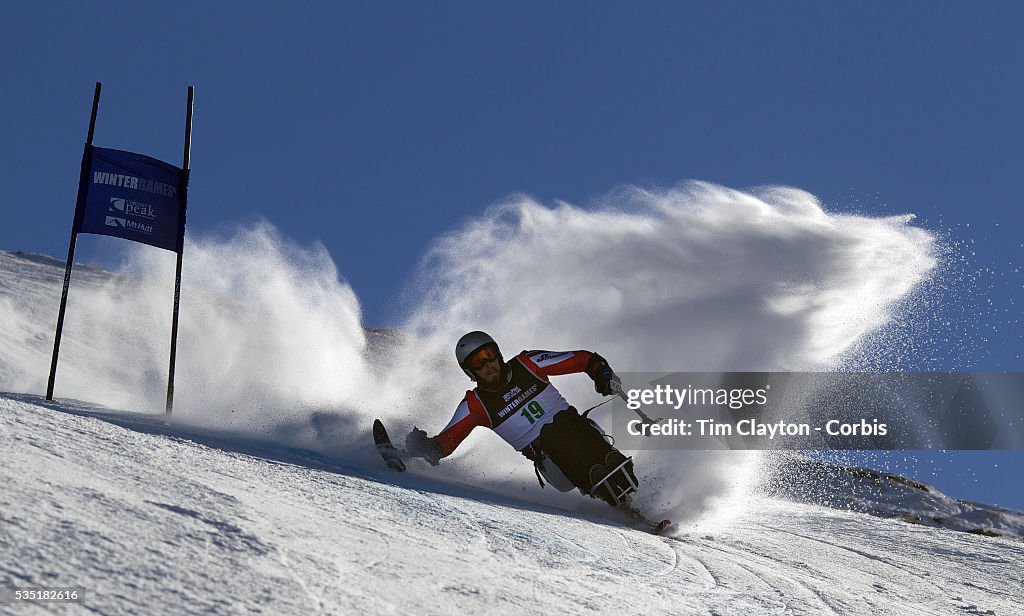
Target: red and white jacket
x: 525, y: 403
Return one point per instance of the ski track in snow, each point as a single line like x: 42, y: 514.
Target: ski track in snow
x: 152, y: 520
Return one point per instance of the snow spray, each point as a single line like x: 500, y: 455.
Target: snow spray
x: 696, y: 277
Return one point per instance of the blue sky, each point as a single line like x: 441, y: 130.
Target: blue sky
x: 374, y: 127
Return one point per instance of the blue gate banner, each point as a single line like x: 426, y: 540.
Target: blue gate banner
x: 132, y: 196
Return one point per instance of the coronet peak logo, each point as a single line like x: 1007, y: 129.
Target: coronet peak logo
x: 132, y: 208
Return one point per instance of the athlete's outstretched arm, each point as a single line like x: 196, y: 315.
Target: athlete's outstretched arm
x: 467, y: 416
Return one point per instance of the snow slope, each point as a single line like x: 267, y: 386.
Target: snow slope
x: 886, y: 495
x: 157, y: 517
x: 291, y: 510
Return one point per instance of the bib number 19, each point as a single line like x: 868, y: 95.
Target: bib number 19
x: 533, y: 412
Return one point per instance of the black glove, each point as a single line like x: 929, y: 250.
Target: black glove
x: 418, y: 444
x: 606, y: 382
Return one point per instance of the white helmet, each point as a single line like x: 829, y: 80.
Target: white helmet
x: 469, y: 344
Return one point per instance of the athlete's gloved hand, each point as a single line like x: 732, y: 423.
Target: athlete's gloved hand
x: 606, y: 382
x: 418, y: 444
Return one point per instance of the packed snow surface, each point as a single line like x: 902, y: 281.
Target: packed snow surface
x: 150, y: 516
x: 263, y: 493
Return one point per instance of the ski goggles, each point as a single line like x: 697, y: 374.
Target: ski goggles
x: 482, y: 356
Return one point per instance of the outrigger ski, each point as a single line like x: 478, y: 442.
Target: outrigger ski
x: 392, y: 456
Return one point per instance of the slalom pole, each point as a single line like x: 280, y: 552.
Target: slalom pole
x: 83, y: 184
x: 177, y: 271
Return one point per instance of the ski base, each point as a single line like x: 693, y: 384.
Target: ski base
x: 392, y: 457
x: 642, y: 522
